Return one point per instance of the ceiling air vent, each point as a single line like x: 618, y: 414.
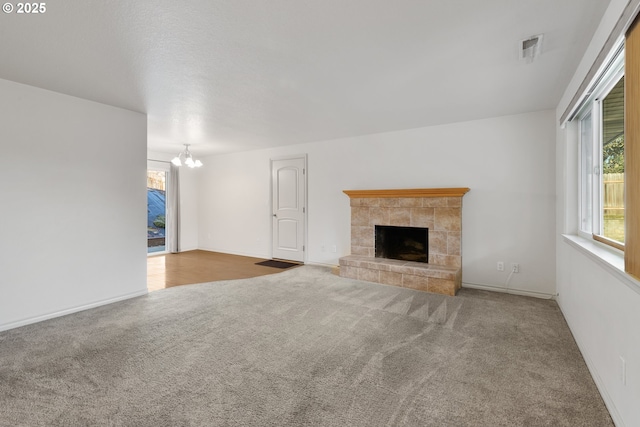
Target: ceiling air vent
x: 530, y: 48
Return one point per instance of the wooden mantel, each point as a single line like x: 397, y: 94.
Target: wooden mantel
x: 404, y: 193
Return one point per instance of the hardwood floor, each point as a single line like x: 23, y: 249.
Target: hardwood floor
x: 164, y: 271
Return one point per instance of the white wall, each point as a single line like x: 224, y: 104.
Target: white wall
x: 603, y: 314
x: 188, y: 201
x: 508, y: 162
x: 601, y: 309
x: 189, y: 208
x: 72, y: 215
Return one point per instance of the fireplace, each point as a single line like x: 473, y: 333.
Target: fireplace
x: 429, y: 260
x: 402, y: 243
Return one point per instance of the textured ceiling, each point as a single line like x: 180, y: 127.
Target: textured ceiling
x: 247, y: 74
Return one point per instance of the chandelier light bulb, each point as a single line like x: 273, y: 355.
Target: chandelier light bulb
x: 186, y: 157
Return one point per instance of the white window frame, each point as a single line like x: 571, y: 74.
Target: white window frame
x: 593, y: 105
x: 585, y: 189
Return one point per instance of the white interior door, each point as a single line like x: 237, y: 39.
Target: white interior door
x: 288, y: 184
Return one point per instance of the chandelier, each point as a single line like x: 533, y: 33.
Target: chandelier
x: 186, y: 157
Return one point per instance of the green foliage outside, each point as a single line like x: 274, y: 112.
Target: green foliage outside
x: 159, y: 221
x: 613, y: 156
x: 613, y: 162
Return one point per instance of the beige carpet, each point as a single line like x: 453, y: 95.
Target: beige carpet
x: 300, y: 348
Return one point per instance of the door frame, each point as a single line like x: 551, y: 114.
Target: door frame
x: 304, y: 157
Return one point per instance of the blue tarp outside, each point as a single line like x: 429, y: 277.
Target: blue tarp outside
x: 155, y: 207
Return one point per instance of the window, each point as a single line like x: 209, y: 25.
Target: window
x: 612, y: 208
x: 156, y: 210
x: 602, y: 165
x: 158, y: 214
x: 606, y: 108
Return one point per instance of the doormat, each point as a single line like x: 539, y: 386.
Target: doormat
x: 277, y: 264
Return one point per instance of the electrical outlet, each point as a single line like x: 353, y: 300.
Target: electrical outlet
x: 515, y: 268
x: 322, y: 248
x: 500, y: 266
x: 623, y: 371
x: 334, y: 249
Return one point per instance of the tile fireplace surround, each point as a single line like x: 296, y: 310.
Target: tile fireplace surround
x: 438, y: 209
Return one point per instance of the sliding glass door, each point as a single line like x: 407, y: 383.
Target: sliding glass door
x: 157, y: 176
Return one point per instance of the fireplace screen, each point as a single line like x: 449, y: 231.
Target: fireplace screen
x: 403, y: 243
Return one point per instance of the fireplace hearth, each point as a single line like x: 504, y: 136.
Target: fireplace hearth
x: 436, y: 211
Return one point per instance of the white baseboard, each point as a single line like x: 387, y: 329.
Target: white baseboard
x: 508, y: 290
x: 322, y: 264
x: 36, y: 319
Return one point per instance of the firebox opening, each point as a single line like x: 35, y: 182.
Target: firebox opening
x: 402, y: 243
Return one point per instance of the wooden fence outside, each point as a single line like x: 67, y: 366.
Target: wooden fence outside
x: 613, y: 197
x: 156, y: 179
